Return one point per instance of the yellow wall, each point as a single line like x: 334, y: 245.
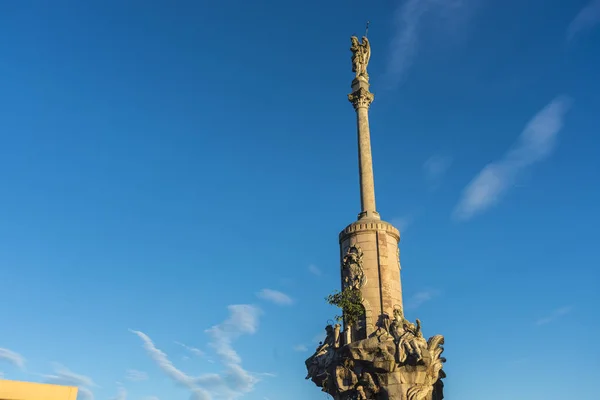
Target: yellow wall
x: 13, y: 390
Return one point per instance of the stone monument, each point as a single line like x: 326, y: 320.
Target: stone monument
x: 379, y: 355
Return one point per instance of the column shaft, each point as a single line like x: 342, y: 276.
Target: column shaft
x: 365, y: 160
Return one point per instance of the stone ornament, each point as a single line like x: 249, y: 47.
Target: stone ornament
x: 319, y: 362
x: 433, y: 373
x: 352, y: 268
x: 397, y: 353
x: 408, y: 336
x: 361, y: 98
x: 361, y: 54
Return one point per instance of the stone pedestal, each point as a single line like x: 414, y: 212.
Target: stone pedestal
x: 393, y: 364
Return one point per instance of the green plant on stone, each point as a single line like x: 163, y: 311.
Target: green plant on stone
x: 349, y: 300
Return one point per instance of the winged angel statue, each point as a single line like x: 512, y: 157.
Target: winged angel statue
x: 361, y: 53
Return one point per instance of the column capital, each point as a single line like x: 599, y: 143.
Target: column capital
x: 361, y: 98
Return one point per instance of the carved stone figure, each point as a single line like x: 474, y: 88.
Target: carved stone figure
x: 408, y: 337
x: 384, y: 323
x: 366, y: 388
x: 396, y: 326
x: 346, y: 379
x: 413, y: 340
x: 318, y: 363
x: 358, y: 370
x: 433, y: 372
x: 352, y: 266
x: 361, y: 54
x: 377, y: 352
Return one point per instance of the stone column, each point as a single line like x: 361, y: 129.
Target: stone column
x: 361, y: 99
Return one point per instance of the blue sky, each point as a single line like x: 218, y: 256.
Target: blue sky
x: 175, y: 175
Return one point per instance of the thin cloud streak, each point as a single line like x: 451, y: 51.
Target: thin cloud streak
x: 234, y: 381
x: 313, y: 269
x: 162, y: 360
x: 536, y: 142
x: 193, y: 350
x: 556, y: 314
x: 402, y: 223
x: 136, y: 376
x: 435, y: 168
x: 121, y: 394
x: 64, y: 376
x: 275, y: 296
x: 408, y: 21
x: 300, y: 348
x: 12, y: 357
x: 585, y: 20
x: 420, y: 298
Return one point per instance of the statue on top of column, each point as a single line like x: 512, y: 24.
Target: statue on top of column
x: 361, y: 53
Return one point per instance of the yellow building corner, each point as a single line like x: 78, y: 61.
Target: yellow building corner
x: 15, y: 390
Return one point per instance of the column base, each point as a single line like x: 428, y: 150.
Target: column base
x: 369, y: 215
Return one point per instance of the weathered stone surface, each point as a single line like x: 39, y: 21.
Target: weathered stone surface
x: 382, y: 289
x: 395, y: 362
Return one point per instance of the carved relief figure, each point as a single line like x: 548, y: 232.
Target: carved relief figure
x: 409, y: 337
x: 361, y: 54
x: 346, y: 379
x: 366, y: 387
x: 397, y: 325
x: 383, y: 330
x: 324, y: 355
x: 413, y: 340
x: 352, y: 263
x: 433, y: 373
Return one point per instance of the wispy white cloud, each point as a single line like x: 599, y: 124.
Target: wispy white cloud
x: 136, y: 376
x: 243, y: 319
x: 231, y: 383
x: 556, y: 314
x: 195, y: 351
x: 63, y: 376
x: 12, y: 358
x: 313, y: 269
x: 121, y: 394
x: 163, y: 362
x: 275, y: 296
x: 435, y: 167
x: 402, y: 223
x: 536, y: 142
x: 408, y: 22
x: 1, y: 375
x: 300, y: 348
x: 587, y: 19
x: 419, y: 298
